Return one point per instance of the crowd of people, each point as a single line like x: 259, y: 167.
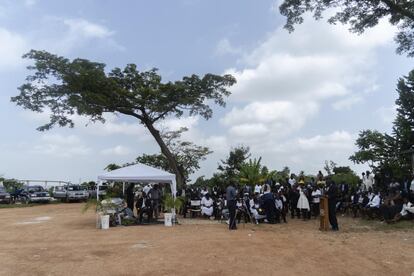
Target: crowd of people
x: 300, y: 198
x: 294, y: 197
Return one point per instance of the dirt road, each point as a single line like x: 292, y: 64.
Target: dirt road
x: 59, y: 240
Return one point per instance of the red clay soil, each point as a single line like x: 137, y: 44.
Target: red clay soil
x: 59, y: 240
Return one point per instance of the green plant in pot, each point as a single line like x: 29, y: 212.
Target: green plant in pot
x: 171, y: 205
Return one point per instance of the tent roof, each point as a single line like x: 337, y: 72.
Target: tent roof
x: 138, y: 173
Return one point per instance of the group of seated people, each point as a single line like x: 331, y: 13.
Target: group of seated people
x: 390, y: 205
x: 266, y: 203
x: 272, y: 202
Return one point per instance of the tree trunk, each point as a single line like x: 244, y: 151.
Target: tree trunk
x: 166, y: 151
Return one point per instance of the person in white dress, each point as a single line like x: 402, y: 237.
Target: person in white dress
x: 207, y: 205
x: 303, y: 203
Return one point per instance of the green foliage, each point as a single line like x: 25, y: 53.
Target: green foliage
x: 86, y: 88
x: 172, y: 203
x: 329, y: 166
x: 251, y: 172
x: 349, y: 178
x: 89, y: 185
x: 387, y: 153
x: 187, y: 154
x: 338, y: 170
x: 359, y: 14
x: 230, y: 168
x: 11, y: 184
x: 112, y: 167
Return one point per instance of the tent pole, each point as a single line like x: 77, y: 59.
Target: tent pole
x: 97, y: 190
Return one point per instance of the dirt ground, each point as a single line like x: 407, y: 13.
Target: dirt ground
x: 59, y: 240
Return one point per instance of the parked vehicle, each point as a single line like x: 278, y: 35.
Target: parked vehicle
x: 70, y: 193
x: 36, y: 194
x: 102, y: 191
x: 4, y: 196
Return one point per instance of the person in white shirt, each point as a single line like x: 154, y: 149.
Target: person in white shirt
x: 292, y: 180
x: 368, y: 180
x: 204, y: 191
x: 258, y: 189
x: 316, y: 197
x: 254, y: 209
x: 407, y: 211
x: 373, y: 205
x: 207, y: 205
x: 147, y: 188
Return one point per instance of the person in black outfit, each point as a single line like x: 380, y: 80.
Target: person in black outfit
x: 269, y: 205
x: 231, y: 205
x: 144, y: 205
x: 130, y: 197
x: 332, y: 193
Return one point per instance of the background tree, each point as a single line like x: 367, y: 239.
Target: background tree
x: 112, y: 167
x: 80, y: 86
x: 11, y: 184
x: 387, y: 153
x: 403, y: 129
x: 230, y: 168
x: 359, y: 14
x: 252, y: 172
x: 329, y: 166
x: 187, y: 154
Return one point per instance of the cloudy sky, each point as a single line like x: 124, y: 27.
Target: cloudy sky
x: 301, y: 98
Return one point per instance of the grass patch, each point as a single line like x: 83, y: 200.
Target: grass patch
x: 383, y: 226
x: 12, y: 206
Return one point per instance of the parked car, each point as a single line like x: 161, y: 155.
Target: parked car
x: 102, y: 191
x: 36, y: 194
x: 70, y: 193
x: 4, y: 196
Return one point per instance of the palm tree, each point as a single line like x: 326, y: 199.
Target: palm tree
x: 251, y: 172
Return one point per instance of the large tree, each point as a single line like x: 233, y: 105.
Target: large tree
x: 359, y: 14
x: 80, y: 86
x: 403, y: 129
x: 391, y: 152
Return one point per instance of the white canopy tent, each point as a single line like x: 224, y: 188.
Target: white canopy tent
x: 138, y: 173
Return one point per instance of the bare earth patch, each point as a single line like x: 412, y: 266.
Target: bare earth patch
x: 67, y: 243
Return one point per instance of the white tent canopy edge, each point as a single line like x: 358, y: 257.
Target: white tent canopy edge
x: 138, y: 173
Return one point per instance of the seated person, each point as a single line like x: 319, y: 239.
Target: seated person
x: 407, y: 211
x: 268, y: 204
x: 373, y: 205
x: 144, y: 205
x: 207, y: 205
x: 242, y: 210
x: 255, y: 210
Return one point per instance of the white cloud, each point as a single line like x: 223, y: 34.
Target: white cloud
x: 58, y: 145
x: 85, y: 28
x: 267, y: 120
x: 347, y: 102
x: 173, y: 123
x: 224, y: 47
x: 317, y: 61
x: 117, y: 150
x: 12, y: 47
x: 338, y: 140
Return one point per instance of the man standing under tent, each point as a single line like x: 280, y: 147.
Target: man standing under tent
x: 130, y: 196
x: 155, y: 195
x: 231, y: 205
